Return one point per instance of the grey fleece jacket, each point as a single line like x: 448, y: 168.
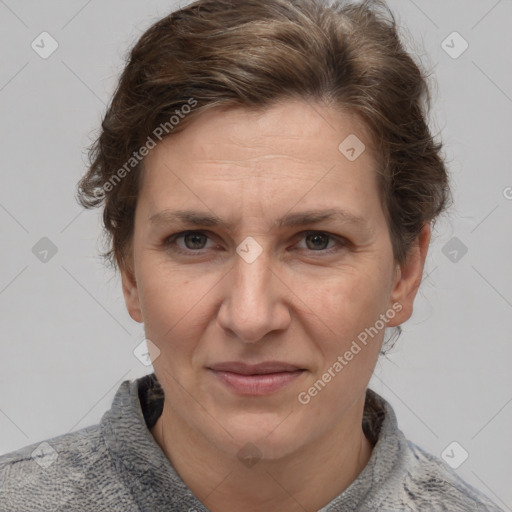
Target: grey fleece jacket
x: 118, y: 466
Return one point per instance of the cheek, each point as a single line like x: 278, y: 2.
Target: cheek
x: 172, y: 306
x: 350, y: 307
x: 351, y: 299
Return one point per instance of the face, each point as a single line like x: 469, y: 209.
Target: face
x: 258, y: 306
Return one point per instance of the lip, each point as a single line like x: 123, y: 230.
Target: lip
x: 258, y: 379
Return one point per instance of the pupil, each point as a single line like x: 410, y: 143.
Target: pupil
x: 316, y: 237
x: 194, y: 237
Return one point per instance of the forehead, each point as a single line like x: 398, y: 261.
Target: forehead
x: 294, y: 152
x: 290, y: 127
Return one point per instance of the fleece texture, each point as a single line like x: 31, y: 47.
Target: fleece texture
x: 117, y: 466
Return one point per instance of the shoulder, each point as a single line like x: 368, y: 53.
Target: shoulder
x: 427, y: 483
x: 405, y: 477
x: 73, y: 471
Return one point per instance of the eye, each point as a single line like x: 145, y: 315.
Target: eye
x: 194, y: 242
x: 317, y: 241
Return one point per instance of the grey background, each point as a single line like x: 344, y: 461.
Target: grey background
x: 67, y: 341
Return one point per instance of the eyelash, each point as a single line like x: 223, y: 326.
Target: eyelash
x: 169, y: 242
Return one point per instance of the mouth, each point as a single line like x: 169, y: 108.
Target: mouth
x: 256, y: 380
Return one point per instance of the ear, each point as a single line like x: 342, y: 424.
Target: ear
x: 131, y: 293
x: 408, y: 278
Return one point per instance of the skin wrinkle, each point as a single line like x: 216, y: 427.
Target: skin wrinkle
x: 240, y: 162
x: 289, y: 304
x: 168, y: 218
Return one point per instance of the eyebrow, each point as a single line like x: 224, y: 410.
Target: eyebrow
x: 199, y: 218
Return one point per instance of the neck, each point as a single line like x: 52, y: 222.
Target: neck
x: 307, y: 479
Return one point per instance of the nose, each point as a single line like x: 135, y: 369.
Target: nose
x: 255, y: 302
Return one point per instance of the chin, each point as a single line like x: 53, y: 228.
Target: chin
x: 265, y: 436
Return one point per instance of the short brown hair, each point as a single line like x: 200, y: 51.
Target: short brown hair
x: 253, y: 53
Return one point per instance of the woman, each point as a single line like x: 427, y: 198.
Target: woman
x: 269, y: 183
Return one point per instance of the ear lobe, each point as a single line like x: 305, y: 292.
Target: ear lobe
x: 408, y: 278
x: 131, y: 294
